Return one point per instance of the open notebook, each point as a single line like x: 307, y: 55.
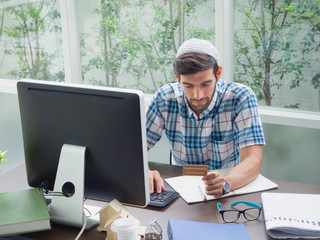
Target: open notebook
x: 188, y: 187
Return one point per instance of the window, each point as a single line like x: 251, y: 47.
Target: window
x: 30, y: 40
x: 276, y: 51
x: 133, y: 43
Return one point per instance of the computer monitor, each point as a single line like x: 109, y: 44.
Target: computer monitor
x: 108, y: 122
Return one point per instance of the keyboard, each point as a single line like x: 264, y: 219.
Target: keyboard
x: 162, y: 199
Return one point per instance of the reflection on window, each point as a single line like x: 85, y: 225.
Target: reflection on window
x: 30, y: 40
x: 277, y: 47
x: 133, y: 43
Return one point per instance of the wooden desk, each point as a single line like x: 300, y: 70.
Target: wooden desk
x: 179, y: 209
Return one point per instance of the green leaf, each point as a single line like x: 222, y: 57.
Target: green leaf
x: 2, y: 154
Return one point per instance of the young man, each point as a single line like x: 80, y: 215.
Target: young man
x: 207, y: 121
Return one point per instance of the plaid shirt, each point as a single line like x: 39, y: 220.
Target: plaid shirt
x: 230, y: 123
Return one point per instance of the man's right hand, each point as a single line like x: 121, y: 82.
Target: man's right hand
x: 155, y: 181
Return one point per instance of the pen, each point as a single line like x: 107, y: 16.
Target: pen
x: 202, y: 194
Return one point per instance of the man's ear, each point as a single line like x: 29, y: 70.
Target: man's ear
x: 177, y: 77
x: 219, y: 73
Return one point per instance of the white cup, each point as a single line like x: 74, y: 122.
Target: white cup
x: 125, y: 228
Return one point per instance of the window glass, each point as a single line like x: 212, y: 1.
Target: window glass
x: 132, y: 43
x: 30, y: 40
x: 276, y: 51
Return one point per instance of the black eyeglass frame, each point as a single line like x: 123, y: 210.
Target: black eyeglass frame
x: 252, y: 205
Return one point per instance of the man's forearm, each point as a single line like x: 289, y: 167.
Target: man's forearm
x: 248, y: 169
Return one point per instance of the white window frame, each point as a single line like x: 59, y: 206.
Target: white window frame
x: 224, y: 42
x: 71, y: 40
x: 224, y: 36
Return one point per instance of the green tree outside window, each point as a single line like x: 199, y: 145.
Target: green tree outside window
x: 277, y: 40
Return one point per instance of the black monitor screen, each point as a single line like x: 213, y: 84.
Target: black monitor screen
x: 109, y: 122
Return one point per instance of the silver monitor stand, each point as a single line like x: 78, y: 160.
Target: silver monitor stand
x: 69, y: 210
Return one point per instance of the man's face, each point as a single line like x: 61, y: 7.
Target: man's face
x: 199, y: 89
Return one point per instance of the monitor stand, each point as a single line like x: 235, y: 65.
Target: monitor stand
x: 70, y: 175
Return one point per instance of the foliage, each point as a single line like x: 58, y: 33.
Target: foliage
x: 2, y: 154
x: 31, y: 22
x: 276, y: 43
x: 277, y: 40
x: 140, y: 46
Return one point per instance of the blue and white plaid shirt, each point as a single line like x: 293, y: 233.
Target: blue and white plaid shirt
x: 230, y: 123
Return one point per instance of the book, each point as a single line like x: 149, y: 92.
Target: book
x: 23, y: 211
x: 190, y: 230
x: 291, y: 215
x: 192, y: 188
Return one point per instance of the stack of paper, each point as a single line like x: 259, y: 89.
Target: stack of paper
x: 289, y: 215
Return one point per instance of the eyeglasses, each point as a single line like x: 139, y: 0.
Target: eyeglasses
x: 250, y: 214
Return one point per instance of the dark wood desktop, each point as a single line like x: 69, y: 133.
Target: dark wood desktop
x: 179, y: 209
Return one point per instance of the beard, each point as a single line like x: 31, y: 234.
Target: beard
x: 199, y: 105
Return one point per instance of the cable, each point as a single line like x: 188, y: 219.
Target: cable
x: 83, y: 227
x: 90, y: 214
x: 85, y: 218
x: 43, y: 190
x: 44, y: 187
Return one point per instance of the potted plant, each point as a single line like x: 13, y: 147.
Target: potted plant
x: 2, y: 154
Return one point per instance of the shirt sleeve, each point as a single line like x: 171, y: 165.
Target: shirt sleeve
x: 154, y: 122
x: 247, y: 125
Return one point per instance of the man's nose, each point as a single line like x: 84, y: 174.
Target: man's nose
x: 198, y: 93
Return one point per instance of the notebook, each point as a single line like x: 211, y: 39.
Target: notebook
x: 188, y: 187
x: 291, y: 215
x: 193, y: 230
x: 23, y: 211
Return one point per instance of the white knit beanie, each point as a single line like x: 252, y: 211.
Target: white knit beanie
x: 199, y: 46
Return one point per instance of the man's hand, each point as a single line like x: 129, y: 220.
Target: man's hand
x: 155, y: 181
x: 213, y: 183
